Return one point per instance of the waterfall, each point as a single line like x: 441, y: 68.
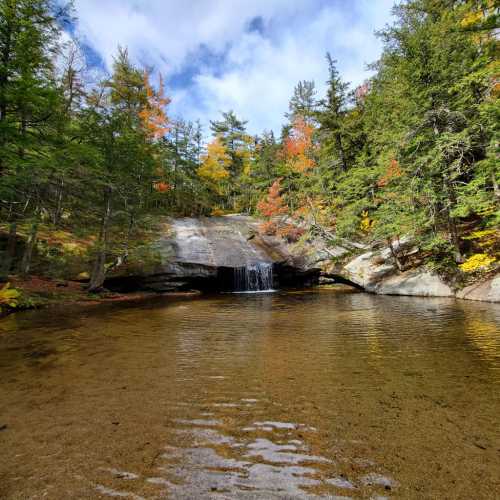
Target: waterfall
x: 254, y: 277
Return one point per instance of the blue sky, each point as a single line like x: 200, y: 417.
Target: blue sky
x: 245, y: 55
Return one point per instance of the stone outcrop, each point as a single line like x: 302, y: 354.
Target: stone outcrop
x: 419, y: 282
x: 376, y: 272
x: 203, y: 253
x: 488, y: 291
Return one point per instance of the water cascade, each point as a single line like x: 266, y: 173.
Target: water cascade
x: 253, y: 277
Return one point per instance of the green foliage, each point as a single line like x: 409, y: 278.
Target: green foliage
x: 303, y: 102
x: 431, y: 110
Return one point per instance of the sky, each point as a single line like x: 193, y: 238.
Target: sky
x: 244, y: 55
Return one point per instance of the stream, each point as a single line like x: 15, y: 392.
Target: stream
x: 320, y: 393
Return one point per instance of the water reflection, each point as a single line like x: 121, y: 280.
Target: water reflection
x: 322, y: 393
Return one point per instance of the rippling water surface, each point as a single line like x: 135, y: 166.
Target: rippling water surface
x: 315, y: 394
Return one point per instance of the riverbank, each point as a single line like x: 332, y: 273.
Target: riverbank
x: 38, y: 292
x: 204, y: 254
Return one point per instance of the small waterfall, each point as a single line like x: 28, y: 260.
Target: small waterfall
x: 254, y: 277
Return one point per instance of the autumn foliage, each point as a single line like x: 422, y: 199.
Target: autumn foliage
x: 298, y: 147
x: 290, y: 232
x: 162, y: 187
x: 273, y: 204
x: 393, y: 171
x: 215, y: 165
x: 271, y: 207
x: 153, y: 116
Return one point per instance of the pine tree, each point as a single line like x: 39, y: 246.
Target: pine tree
x: 126, y: 164
x: 331, y: 115
x: 303, y: 103
x: 29, y: 31
x: 231, y: 131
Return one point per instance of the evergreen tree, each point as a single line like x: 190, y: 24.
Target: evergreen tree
x: 29, y: 31
x: 126, y: 162
x: 232, y: 133
x: 331, y: 116
x: 303, y: 102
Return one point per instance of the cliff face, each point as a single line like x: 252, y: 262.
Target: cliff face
x: 206, y: 253
x: 216, y: 242
x: 209, y: 252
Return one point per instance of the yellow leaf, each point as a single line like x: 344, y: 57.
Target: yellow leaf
x: 477, y: 262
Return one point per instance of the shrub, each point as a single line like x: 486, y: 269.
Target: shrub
x: 9, y: 297
x: 477, y: 262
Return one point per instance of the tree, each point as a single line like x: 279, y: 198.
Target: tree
x: 29, y: 31
x: 123, y: 122
x: 275, y: 210
x: 239, y: 146
x: 272, y: 206
x: 153, y: 116
x: 303, y: 103
x: 215, y: 164
x: 231, y: 131
x: 299, y: 149
x: 331, y: 115
x: 28, y: 34
x: 446, y: 136
x: 182, y: 158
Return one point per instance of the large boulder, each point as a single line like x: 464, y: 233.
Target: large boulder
x: 368, y: 269
x: 419, y: 282
x: 376, y: 272
x: 488, y: 290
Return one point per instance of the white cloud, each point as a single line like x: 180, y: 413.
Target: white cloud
x: 259, y: 71
x: 169, y: 28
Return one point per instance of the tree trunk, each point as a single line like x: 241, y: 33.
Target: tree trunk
x: 98, y: 270
x: 11, y: 249
x: 28, y: 251
x: 343, y: 162
x: 452, y: 228
x: 59, y: 204
x: 4, y: 80
x: 452, y: 223
x: 395, y: 255
x: 496, y: 189
x: 121, y: 259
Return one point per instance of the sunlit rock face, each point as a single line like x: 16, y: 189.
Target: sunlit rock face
x: 218, y: 242
x: 488, y: 290
x: 376, y: 272
x: 228, y: 253
x: 214, y: 253
x: 419, y: 282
